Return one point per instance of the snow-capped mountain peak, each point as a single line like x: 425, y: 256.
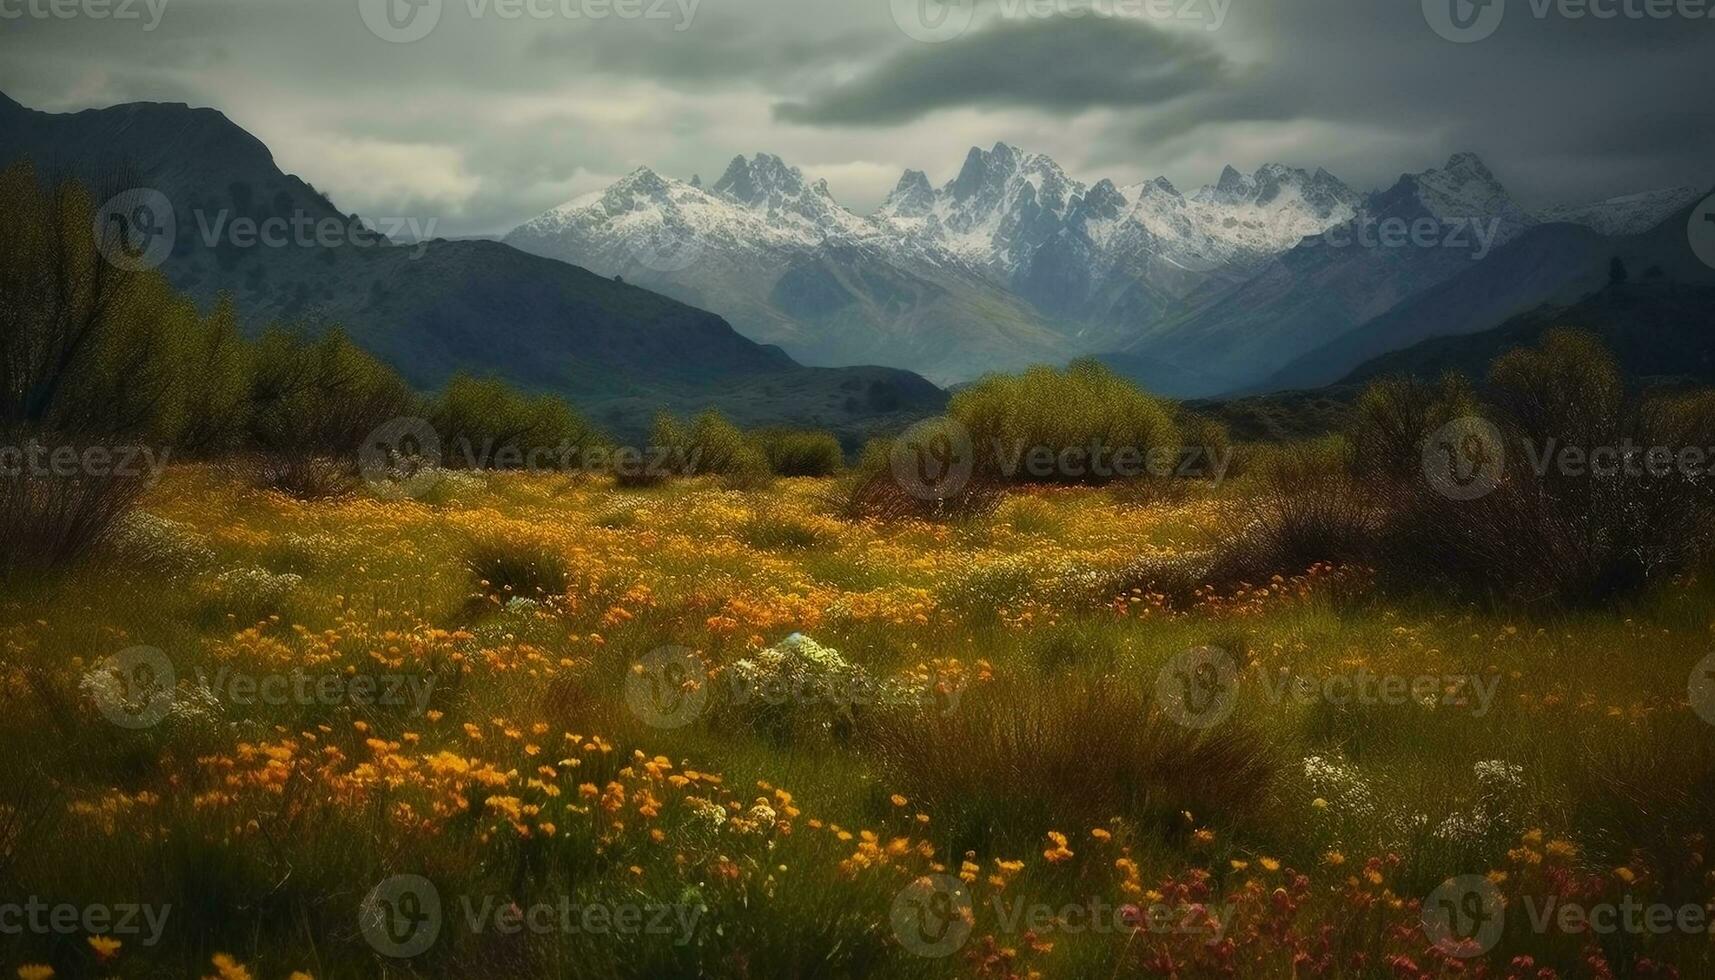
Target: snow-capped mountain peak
x: 912, y: 197
x: 761, y: 180
x: 1464, y: 190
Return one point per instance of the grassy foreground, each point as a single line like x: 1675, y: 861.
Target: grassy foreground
x: 446, y: 737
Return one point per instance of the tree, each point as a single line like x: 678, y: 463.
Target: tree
x: 1617, y: 273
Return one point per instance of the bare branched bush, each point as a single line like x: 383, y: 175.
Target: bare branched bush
x: 51, y: 519
x: 1572, y: 509
x: 1306, y: 509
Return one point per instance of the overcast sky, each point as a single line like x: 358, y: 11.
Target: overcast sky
x: 488, y: 120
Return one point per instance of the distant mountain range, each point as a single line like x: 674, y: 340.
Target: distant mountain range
x: 617, y: 350
x: 1009, y: 264
x: 1280, y: 279
x: 1013, y: 262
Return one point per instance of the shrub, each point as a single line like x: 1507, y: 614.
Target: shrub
x: 217, y: 411
x: 49, y: 521
x: 1083, y: 407
x: 1306, y: 509
x: 1393, y: 418
x: 798, y: 453
x: 317, y: 400
x: 796, y: 689
x: 1538, y: 532
x: 485, y: 424
x: 710, y: 445
x: 92, y: 355
x: 1151, y: 767
x: 874, y: 492
x: 666, y: 435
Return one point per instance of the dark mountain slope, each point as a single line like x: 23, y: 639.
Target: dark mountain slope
x: 440, y: 306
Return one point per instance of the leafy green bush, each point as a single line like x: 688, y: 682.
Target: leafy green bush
x: 1085, y: 409
x: 1392, y: 419
x: 486, y: 424
x: 801, y: 453
x: 709, y: 446
x: 94, y: 357
x: 313, y: 402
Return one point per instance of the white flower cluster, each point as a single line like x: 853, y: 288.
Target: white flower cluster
x: 161, y: 546
x: 256, y: 584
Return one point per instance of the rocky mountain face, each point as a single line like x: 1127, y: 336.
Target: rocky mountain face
x: 1424, y: 230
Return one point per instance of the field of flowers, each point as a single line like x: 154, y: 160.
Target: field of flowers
x: 542, y: 726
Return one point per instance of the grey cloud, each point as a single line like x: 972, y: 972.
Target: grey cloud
x: 1059, y: 65
x: 717, y: 50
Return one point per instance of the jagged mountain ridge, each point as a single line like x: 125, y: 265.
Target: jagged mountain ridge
x: 1012, y: 262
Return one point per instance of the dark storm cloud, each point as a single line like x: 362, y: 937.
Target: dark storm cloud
x: 1564, y: 109
x: 488, y: 121
x: 718, y: 50
x: 1059, y: 64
